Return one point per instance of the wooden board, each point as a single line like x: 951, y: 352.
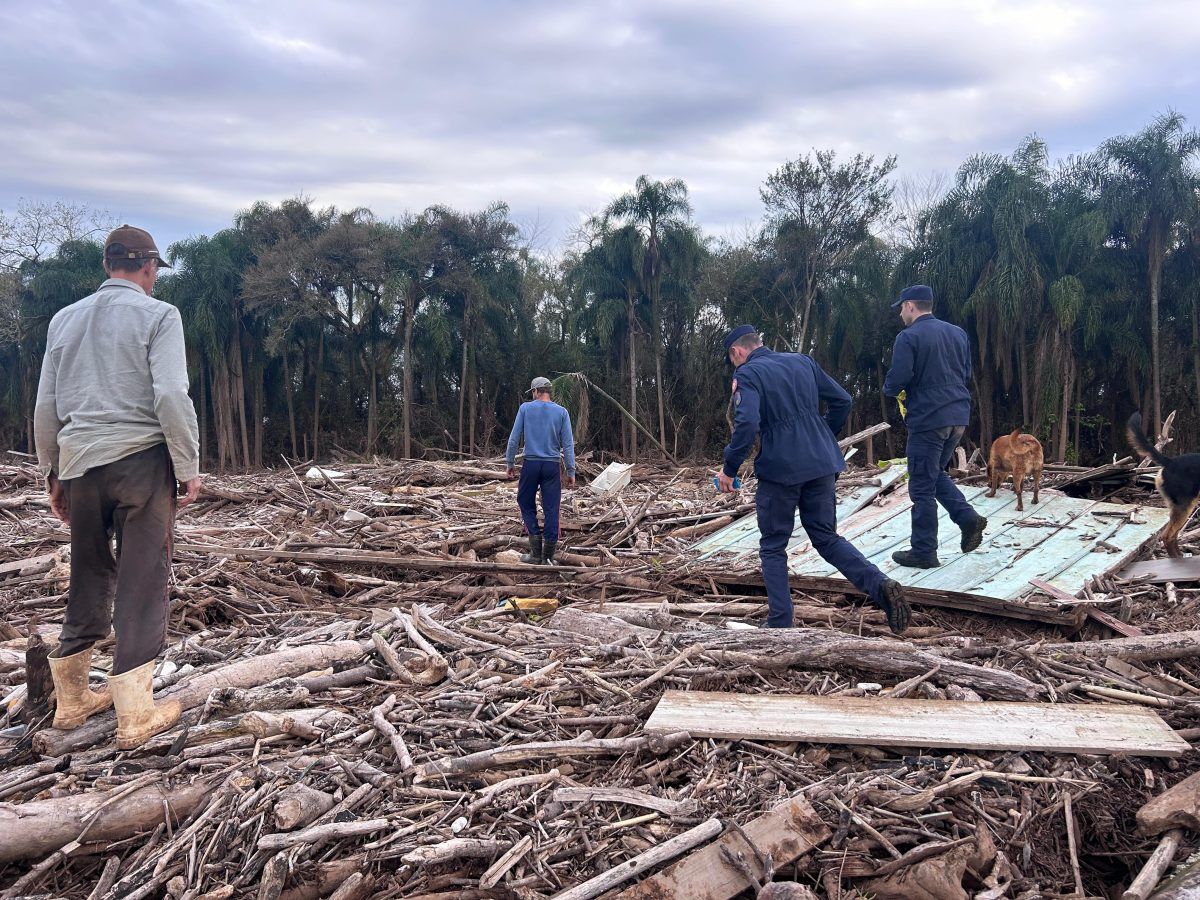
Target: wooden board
x: 1160, y: 571
x: 35, y: 565
x: 885, y: 722
x: 788, y: 831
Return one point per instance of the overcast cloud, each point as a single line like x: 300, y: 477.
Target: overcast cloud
x: 177, y: 114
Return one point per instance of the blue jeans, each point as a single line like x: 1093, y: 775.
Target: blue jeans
x: 543, y: 475
x: 817, y: 502
x: 929, y: 452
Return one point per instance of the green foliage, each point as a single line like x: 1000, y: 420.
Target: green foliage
x: 1078, y: 282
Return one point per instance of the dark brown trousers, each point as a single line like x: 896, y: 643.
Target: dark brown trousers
x: 133, y: 500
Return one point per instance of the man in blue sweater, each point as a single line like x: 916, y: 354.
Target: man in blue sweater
x: 931, y: 366
x: 778, y: 395
x: 546, y: 427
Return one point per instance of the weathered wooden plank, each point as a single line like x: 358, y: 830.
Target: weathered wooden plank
x: 1123, y: 628
x: 34, y: 565
x: 788, y: 831
x: 1050, y: 727
x: 1096, y: 615
x: 1160, y: 571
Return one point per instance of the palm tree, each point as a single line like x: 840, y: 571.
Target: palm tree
x: 653, y: 207
x: 1150, y: 187
x: 979, y: 249
x: 611, y: 269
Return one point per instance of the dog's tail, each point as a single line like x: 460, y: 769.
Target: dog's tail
x: 1139, y: 441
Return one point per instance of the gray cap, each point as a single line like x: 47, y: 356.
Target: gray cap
x: 540, y: 384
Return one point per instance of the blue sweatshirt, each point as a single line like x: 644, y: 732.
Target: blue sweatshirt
x: 547, y: 430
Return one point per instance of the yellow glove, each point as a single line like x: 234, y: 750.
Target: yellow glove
x: 900, y: 398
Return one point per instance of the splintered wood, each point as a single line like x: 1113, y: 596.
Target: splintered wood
x: 885, y: 722
x: 786, y: 832
x: 381, y: 701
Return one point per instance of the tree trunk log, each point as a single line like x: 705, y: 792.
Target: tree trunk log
x: 38, y: 681
x: 1150, y: 647
x: 584, y: 745
x: 300, y: 805
x: 822, y: 649
x: 34, y: 829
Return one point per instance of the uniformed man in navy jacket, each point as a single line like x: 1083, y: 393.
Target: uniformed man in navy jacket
x: 931, y: 365
x: 778, y: 395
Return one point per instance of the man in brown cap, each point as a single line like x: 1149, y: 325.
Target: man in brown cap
x: 115, y: 429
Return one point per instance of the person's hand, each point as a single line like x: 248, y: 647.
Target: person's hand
x: 724, y: 483
x: 60, y: 505
x: 512, y: 473
x: 570, y: 481
x: 191, y: 489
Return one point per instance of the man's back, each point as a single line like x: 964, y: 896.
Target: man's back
x: 932, y: 363
x: 115, y: 381
x: 797, y: 440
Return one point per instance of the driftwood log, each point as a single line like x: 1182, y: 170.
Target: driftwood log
x: 34, y: 829
x: 810, y: 648
x: 1148, y: 648
x: 299, y: 806
x: 584, y: 745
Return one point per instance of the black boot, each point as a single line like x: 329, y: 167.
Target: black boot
x: 551, y: 547
x: 910, y: 560
x: 534, y: 555
x: 972, y: 535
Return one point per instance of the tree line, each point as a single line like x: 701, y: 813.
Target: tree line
x: 315, y: 331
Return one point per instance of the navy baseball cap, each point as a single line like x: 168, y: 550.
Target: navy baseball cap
x: 737, y: 334
x: 915, y: 292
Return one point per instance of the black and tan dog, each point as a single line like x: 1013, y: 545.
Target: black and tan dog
x: 1178, y: 482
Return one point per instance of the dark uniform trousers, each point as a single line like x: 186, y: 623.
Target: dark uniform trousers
x: 817, y: 503
x: 929, y: 452
x: 133, y: 500
x: 540, y: 475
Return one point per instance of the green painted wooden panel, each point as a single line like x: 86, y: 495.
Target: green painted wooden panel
x: 741, y: 537
x: 1059, y: 540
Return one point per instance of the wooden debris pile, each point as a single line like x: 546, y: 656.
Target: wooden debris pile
x: 362, y: 719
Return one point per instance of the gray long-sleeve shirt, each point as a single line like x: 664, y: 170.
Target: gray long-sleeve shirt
x: 114, y: 382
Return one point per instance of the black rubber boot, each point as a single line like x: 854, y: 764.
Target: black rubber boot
x: 972, y: 535
x: 534, y: 555
x: 551, y: 547
x: 910, y: 560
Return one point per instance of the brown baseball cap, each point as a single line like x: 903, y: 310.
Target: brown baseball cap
x: 128, y: 242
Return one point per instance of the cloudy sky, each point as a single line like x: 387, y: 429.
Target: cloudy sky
x: 176, y: 114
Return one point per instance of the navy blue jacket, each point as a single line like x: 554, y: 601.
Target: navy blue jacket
x: 932, y: 362
x: 778, y: 395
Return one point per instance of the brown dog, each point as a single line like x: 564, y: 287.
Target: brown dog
x: 1017, y: 455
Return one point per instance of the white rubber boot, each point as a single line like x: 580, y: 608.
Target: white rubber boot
x: 138, y: 718
x: 75, y: 701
